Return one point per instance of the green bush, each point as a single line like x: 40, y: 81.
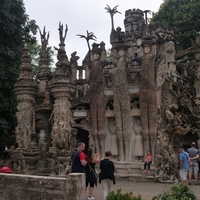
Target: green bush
x: 118, y: 195
x: 178, y: 191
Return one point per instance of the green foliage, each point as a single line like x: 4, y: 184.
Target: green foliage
x: 15, y: 29
x: 118, y: 195
x: 179, y: 191
x: 183, y: 16
x: 34, y: 51
x: 108, y: 54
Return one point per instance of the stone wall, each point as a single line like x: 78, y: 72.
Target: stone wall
x: 17, y: 187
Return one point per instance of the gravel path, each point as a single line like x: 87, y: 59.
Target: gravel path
x: 146, y: 189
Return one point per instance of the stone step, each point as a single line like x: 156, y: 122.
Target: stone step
x: 134, y: 171
x: 132, y: 168
x: 136, y: 177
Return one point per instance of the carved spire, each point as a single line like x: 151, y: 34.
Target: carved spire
x: 25, y: 74
x: 45, y: 72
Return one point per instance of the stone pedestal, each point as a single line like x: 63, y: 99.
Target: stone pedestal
x: 75, y: 186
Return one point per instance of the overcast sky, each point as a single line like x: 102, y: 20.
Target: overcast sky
x: 82, y: 15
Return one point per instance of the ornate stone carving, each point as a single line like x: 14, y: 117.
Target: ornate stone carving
x: 121, y: 101
x: 96, y: 96
x: 114, y: 140
x: 138, y: 143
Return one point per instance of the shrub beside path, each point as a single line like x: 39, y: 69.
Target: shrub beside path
x: 146, y: 189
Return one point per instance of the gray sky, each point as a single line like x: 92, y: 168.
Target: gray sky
x: 82, y: 15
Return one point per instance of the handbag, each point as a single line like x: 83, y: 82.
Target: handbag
x: 95, y: 173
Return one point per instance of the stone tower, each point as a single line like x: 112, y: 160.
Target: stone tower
x: 25, y: 90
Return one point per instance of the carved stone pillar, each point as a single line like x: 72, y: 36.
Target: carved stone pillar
x: 25, y: 157
x: 62, y: 87
x: 25, y: 89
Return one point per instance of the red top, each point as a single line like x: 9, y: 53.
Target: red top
x: 149, y: 158
x: 82, y: 156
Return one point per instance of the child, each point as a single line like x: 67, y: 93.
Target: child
x: 148, y: 161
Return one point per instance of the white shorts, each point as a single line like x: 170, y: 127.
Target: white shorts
x: 183, y: 174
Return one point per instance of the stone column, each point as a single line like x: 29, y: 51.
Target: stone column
x: 25, y: 89
x: 62, y: 87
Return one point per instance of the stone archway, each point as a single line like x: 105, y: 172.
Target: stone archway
x: 83, y: 136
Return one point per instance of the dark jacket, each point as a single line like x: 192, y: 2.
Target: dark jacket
x: 107, y: 170
x: 76, y: 163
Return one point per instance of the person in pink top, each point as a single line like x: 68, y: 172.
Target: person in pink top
x: 148, y: 162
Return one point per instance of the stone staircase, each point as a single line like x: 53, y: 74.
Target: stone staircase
x: 133, y: 171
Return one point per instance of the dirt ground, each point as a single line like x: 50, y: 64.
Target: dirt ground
x: 146, y: 189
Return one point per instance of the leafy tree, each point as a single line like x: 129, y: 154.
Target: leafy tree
x: 15, y: 30
x: 34, y: 50
x: 183, y: 16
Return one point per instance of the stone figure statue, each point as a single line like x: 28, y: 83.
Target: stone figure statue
x: 96, y: 96
x: 74, y: 65
x: 108, y: 77
x: 121, y: 101
x: 114, y: 141
x: 138, y: 143
x: 148, y: 98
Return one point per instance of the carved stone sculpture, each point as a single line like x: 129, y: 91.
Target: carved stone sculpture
x: 114, y: 140
x: 121, y: 102
x: 96, y: 96
x: 148, y: 100
x: 138, y: 143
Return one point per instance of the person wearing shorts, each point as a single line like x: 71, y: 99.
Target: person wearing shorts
x: 183, y: 164
x: 193, y: 164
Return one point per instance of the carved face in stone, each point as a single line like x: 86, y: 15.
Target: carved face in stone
x: 169, y: 46
x: 106, y: 71
x: 121, y: 52
x: 147, y: 49
x: 138, y: 121
x: 96, y: 56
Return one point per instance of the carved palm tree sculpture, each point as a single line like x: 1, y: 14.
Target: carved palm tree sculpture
x: 112, y: 13
x: 145, y: 12
x: 90, y: 36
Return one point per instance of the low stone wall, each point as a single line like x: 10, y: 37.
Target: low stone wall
x: 28, y: 187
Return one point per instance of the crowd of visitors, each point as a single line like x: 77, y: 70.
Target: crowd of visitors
x: 85, y: 163
x: 188, y: 164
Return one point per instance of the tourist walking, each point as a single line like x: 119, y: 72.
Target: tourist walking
x: 106, y: 176
x: 91, y: 174
x: 148, y: 162
x: 183, y: 164
x: 78, y: 161
x: 193, y: 164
